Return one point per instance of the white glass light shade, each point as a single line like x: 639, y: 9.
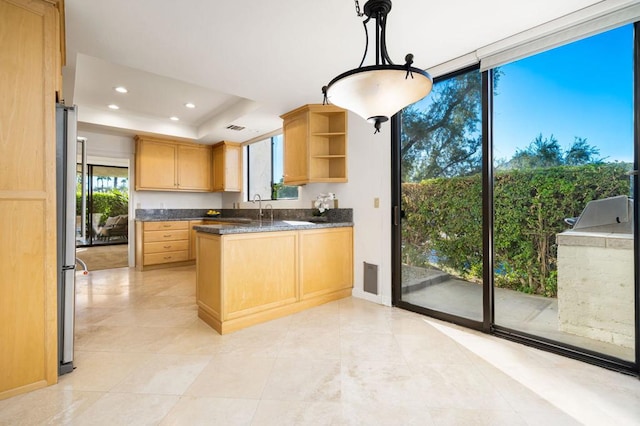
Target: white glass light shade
x: 378, y: 91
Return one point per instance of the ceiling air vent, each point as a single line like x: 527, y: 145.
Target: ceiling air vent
x: 234, y: 127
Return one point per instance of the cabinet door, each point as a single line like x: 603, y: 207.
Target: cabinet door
x: 295, y: 149
x: 259, y: 272
x: 192, y: 238
x: 326, y: 261
x: 227, y: 167
x: 233, y: 168
x: 194, y: 168
x: 218, y: 168
x: 155, y: 165
x: 28, y: 332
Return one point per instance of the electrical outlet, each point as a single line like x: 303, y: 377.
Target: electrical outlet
x: 376, y: 202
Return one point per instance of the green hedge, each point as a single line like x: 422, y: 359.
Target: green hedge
x: 443, y: 224
x: 110, y: 204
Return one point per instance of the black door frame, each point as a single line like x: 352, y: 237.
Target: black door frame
x: 396, y: 228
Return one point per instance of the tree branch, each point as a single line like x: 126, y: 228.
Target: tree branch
x: 445, y: 118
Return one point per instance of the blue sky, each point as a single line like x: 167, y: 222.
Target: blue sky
x: 583, y: 89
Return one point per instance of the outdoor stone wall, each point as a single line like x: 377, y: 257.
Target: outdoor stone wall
x: 595, y: 286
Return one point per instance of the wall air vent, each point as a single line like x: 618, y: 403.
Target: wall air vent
x: 234, y: 127
x: 370, y: 278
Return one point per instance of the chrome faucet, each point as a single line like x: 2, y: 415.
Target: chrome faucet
x: 259, y: 205
x: 270, y: 207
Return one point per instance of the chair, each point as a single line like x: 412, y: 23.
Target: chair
x: 115, y: 227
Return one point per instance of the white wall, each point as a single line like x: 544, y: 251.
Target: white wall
x: 369, y: 177
x: 107, y: 145
x: 369, y: 172
x: 176, y: 200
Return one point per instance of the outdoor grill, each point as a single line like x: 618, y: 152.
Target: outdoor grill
x: 611, y: 215
x: 595, y: 273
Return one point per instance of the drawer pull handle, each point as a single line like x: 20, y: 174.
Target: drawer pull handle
x: 167, y: 225
x: 167, y: 257
x: 166, y: 246
x: 167, y: 235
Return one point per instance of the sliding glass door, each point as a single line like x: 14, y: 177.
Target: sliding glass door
x: 515, y: 197
x: 441, y: 199
x: 564, y: 261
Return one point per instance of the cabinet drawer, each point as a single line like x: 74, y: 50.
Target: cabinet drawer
x: 168, y: 235
x: 168, y: 225
x: 168, y: 257
x: 165, y: 246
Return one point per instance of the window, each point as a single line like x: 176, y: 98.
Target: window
x: 265, y: 171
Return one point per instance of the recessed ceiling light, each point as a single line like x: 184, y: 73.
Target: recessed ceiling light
x: 120, y: 89
x: 190, y: 105
x: 114, y: 106
x: 174, y: 118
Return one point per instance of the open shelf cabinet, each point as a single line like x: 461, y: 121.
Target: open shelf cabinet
x: 315, y: 144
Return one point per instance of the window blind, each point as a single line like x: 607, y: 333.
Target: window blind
x: 583, y: 23
x: 591, y: 20
x: 453, y: 65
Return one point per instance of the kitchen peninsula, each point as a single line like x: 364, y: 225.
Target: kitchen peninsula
x: 252, y: 272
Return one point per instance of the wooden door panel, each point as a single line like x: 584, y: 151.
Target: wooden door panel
x: 194, y: 168
x: 156, y: 165
x: 23, y: 289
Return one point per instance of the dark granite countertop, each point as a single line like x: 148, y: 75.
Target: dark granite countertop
x: 212, y: 218
x: 343, y: 217
x: 266, y: 226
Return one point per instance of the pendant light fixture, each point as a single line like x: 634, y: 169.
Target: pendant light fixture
x: 376, y: 92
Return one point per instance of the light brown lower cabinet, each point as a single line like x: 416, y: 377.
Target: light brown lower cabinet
x: 162, y: 244
x: 246, y: 279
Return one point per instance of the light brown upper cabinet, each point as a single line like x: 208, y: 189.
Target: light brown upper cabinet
x: 166, y: 165
x: 315, y: 144
x: 227, y: 167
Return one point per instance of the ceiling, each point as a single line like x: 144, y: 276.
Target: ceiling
x: 245, y: 63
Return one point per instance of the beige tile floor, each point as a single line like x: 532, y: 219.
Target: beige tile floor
x: 143, y: 358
